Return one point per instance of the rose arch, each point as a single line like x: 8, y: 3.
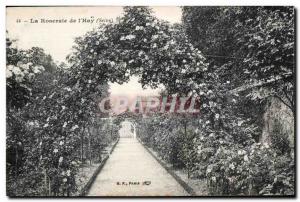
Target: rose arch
x: 158, y: 53
x: 139, y: 44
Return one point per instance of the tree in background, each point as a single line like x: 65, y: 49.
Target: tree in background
x: 47, y: 120
x: 250, y: 47
x: 242, y: 45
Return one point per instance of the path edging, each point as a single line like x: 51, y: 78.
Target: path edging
x: 186, y: 187
x: 88, y: 185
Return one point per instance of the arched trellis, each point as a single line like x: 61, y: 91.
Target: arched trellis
x: 133, y: 118
x: 139, y: 44
x: 142, y: 45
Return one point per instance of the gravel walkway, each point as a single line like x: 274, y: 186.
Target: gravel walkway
x: 132, y: 171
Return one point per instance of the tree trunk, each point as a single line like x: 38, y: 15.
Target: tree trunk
x: 17, y: 166
x: 81, y: 151
x: 111, y: 132
x: 49, y: 186
x: 89, y: 145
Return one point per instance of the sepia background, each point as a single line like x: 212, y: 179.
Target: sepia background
x: 240, y: 61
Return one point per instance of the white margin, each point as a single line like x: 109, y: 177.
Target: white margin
x: 5, y: 3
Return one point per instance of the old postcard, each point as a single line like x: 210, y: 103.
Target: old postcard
x: 106, y: 101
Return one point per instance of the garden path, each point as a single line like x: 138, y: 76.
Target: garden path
x: 132, y: 171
